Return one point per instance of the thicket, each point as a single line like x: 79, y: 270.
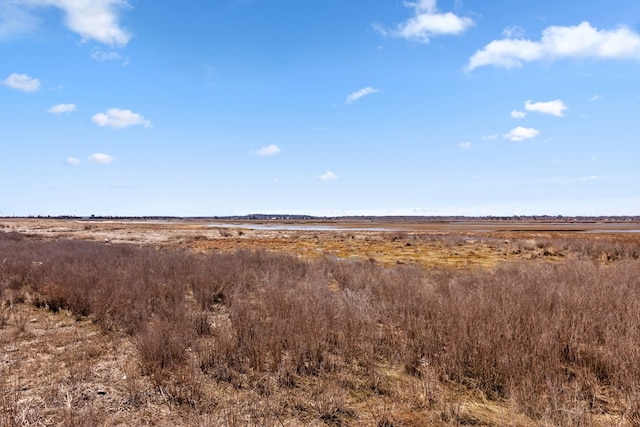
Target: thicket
x: 558, y: 342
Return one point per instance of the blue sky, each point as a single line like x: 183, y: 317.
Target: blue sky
x: 324, y: 107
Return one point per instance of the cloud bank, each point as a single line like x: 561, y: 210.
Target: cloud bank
x: 97, y: 20
x: 557, y: 42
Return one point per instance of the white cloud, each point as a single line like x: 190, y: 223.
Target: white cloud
x: 520, y: 133
x: 489, y: 137
x: 465, y: 145
x: 92, y: 19
x: 101, y: 55
x: 117, y: 118
x: 555, y: 108
x: 359, y: 94
x: 580, y: 41
x: 505, y: 53
x: 518, y: 114
x: 100, y: 158
x: 513, y: 31
x: 427, y: 22
x: 596, y: 98
x: 62, y: 108
x: 328, y: 176
x: 15, y: 18
x: 428, y: 6
x: 269, y: 150
x: 22, y: 82
x: 73, y: 160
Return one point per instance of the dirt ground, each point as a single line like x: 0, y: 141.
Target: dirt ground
x: 40, y: 385
x: 429, y: 244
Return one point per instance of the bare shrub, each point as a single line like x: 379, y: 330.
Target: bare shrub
x: 20, y: 319
x: 216, y: 357
x: 12, y: 236
x: 4, y: 314
x: 5, y: 304
x: 161, y: 346
x: 8, y: 402
x: 542, y: 339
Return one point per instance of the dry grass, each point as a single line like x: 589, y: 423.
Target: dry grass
x: 259, y: 338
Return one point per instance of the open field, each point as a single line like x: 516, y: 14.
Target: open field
x: 427, y: 243
x: 298, y: 323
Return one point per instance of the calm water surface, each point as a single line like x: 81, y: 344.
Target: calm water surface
x: 296, y: 227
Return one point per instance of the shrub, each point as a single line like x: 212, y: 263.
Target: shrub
x: 543, y: 338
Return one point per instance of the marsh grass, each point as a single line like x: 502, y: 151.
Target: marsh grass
x: 555, y: 343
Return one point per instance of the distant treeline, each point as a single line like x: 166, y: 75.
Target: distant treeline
x: 389, y: 218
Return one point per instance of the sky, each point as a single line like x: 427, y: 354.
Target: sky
x: 320, y: 107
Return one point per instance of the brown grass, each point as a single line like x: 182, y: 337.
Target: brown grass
x: 259, y: 338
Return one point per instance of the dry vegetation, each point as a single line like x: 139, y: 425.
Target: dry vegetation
x: 95, y: 333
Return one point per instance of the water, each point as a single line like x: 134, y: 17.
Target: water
x: 338, y: 227
x: 295, y: 227
x: 612, y: 231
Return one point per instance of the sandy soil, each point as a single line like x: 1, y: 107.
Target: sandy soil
x: 429, y: 244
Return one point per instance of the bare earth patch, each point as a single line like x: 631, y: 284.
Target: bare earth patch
x: 60, y: 367
x: 429, y: 244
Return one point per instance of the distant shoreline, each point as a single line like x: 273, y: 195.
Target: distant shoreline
x: 349, y: 218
